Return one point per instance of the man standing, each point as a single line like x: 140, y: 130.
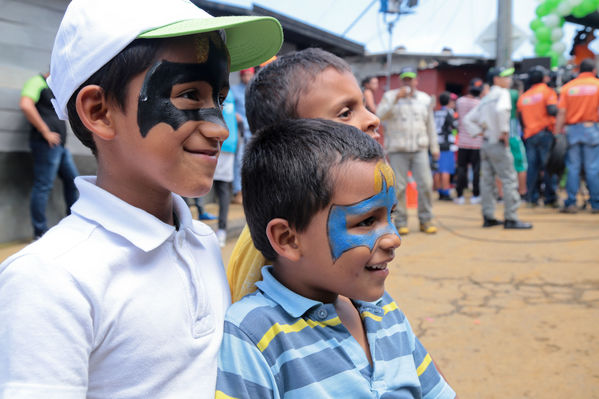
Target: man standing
x: 537, y: 108
x: 468, y: 146
x: 409, y: 134
x: 491, y: 119
x: 50, y: 157
x: 578, y: 106
x: 238, y: 90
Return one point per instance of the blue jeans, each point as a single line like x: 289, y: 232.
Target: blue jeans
x: 583, y: 152
x: 47, y: 163
x: 538, y: 148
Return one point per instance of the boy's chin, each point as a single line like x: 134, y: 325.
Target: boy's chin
x: 196, y: 191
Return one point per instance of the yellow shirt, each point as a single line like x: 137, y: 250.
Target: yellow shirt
x: 245, y: 266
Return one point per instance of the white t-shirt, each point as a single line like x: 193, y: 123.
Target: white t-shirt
x: 113, y: 303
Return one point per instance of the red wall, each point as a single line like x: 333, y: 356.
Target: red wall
x: 434, y: 81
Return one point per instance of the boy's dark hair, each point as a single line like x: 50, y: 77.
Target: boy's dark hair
x: 274, y: 92
x: 587, y: 65
x: 444, y: 98
x: 287, y: 172
x: 114, y: 78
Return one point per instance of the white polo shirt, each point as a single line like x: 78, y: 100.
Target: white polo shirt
x: 113, y: 303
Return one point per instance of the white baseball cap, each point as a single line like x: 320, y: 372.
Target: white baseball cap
x: 92, y: 32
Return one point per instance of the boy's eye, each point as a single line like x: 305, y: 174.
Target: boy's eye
x: 345, y: 113
x: 221, y: 101
x: 369, y: 221
x: 190, y: 95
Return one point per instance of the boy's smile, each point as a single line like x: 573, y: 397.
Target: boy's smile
x: 347, y: 245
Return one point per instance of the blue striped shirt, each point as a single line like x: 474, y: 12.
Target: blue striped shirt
x: 278, y: 344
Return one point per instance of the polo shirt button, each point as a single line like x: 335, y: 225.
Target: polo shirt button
x: 322, y: 314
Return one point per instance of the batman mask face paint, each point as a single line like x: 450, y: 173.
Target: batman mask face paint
x: 340, y: 239
x: 155, y: 103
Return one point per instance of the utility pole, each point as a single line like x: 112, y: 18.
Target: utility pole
x: 503, y: 58
x: 397, y: 7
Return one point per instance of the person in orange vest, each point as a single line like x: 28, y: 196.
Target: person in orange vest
x: 537, y: 108
x: 580, y: 48
x: 578, y: 104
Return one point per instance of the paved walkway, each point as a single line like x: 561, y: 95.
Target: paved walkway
x: 506, y: 314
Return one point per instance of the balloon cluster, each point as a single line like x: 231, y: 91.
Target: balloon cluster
x: 547, y: 26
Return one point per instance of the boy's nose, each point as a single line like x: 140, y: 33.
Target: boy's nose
x: 389, y: 242
x: 214, y: 130
x: 370, y: 124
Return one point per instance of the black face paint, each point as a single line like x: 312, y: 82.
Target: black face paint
x: 154, y: 104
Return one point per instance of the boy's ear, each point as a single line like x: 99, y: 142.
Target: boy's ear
x: 94, y: 113
x: 283, y: 239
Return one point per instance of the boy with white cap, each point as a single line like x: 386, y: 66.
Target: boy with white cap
x: 125, y: 298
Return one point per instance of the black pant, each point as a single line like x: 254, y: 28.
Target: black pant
x: 222, y: 190
x: 468, y: 156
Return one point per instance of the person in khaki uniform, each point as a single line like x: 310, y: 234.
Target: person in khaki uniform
x: 410, y: 134
x: 491, y: 119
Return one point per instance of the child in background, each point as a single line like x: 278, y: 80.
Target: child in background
x: 445, y: 123
x: 224, y: 173
x: 318, y: 198
x: 311, y: 83
x: 125, y: 298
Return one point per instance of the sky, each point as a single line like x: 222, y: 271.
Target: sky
x: 433, y: 25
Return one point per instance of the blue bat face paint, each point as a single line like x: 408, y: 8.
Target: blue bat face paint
x: 341, y: 240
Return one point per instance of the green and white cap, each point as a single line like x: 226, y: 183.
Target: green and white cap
x: 92, y: 32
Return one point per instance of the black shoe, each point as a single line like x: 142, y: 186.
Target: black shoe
x: 491, y: 222
x: 516, y: 224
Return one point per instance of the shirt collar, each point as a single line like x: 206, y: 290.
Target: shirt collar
x: 137, y: 226
x: 294, y: 304
x: 586, y: 75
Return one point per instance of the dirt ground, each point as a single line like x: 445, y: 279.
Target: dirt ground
x: 505, y: 314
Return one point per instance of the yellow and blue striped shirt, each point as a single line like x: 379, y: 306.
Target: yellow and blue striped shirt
x: 278, y: 344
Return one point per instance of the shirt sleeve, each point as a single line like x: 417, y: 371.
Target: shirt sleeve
x: 384, y: 110
x: 472, y: 123
x: 243, y: 373
x: 551, y: 97
x: 33, y: 88
x: 432, y: 383
x: 431, y: 129
x: 45, y: 331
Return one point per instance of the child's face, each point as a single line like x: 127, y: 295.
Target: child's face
x: 336, y: 96
x: 347, y: 245
x: 172, y: 127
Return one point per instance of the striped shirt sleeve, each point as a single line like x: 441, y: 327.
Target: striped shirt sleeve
x: 242, y: 369
x: 433, y: 385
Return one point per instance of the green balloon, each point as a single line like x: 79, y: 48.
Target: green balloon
x: 542, y: 48
x: 542, y: 10
x: 554, y: 58
x: 536, y: 24
x: 551, y: 4
x: 589, y: 6
x: 579, y: 11
x: 543, y: 34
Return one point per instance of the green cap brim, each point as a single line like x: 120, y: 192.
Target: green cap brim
x: 250, y: 40
x: 407, y: 75
x: 507, y: 72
